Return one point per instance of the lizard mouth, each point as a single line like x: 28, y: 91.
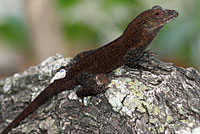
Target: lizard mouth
x: 171, y: 17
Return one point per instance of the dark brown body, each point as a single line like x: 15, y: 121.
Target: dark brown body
x: 135, y: 39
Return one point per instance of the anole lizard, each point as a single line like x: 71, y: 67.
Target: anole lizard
x: 125, y: 50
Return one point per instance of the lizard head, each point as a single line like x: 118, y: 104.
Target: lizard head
x: 157, y: 17
x: 145, y: 26
x: 149, y: 22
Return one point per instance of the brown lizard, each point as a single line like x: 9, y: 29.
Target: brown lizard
x: 125, y: 50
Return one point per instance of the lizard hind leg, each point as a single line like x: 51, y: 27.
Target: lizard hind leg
x: 91, y: 85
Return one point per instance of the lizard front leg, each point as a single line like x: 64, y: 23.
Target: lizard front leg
x: 132, y: 57
x: 91, y: 84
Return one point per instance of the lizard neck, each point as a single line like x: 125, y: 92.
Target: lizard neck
x: 137, y: 35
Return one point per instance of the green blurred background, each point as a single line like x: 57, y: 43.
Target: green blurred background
x: 31, y: 31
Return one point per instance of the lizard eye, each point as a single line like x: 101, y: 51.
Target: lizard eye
x: 157, y: 13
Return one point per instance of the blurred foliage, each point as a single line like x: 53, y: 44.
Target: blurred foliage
x: 110, y: 3
x: 105, y: 3
x: 79, y: 32
x: 179, y: 41
x: 13, y: 31
x: 67, y: 3
x: 87, y: 22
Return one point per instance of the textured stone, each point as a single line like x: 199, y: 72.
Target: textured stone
x: 155, y: 97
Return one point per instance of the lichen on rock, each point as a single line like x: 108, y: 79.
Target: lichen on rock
x: 154, y: 97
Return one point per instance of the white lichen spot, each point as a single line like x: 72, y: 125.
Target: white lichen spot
x: 183, y: 131
x: 162, y: 128
x: 7, y: 87
x: 85, y: 100
x: 72, y: 96
x: 141, y: 109
x: 16, y: 75
x: 180, y: 105
x: 151, y: 95
x: 116, y: 103
x: 127, y: 111
x: 46, y: 61
x: 189, y: 123
x: 131, y: 102
x: 153, y: 121
x: 196, y: 131
x: 59, y: 75
x: 119, y: 71
x: 169, y: 119
x: 156, y: 110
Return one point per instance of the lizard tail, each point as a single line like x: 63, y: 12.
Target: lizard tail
x: 52, y: 90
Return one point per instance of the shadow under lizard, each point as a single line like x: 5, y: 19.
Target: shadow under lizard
x: 125, y: 50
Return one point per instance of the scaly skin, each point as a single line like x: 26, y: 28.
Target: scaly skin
x: 130, y: 45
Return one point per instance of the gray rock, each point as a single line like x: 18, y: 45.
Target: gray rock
x: 155, y: 97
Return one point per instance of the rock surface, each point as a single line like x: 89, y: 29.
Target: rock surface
x: 155, y: 97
